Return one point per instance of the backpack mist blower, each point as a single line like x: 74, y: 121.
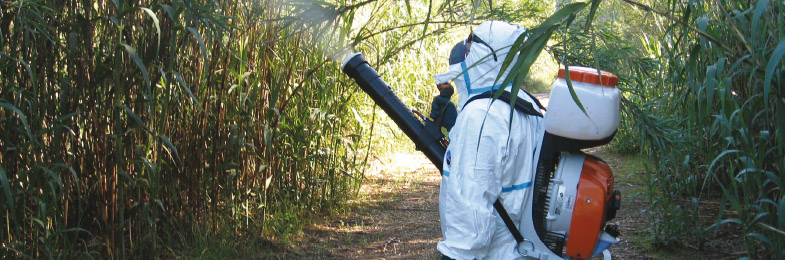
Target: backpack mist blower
x: 570, y: 187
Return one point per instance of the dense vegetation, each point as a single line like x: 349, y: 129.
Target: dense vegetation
x: 135, y: 128
x: 146, y: 128
x: 212, y: 127
x: 704, y: 100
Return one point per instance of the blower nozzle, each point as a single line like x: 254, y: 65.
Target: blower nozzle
x: 426, y: 136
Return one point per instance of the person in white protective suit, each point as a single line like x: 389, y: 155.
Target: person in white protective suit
x: 491, y: 155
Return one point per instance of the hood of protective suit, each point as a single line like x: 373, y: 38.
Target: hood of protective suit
x: 488, y: 47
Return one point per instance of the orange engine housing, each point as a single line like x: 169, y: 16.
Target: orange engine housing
x: 594, y: 194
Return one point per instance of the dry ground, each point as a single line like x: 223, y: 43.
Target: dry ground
x: 395, y: 216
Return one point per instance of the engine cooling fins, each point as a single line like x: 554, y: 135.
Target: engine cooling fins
x: 549, y: 157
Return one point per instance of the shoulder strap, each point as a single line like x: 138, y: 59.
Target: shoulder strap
x: 520, y: 104
x: 535, y: 100
x: 508, y: 221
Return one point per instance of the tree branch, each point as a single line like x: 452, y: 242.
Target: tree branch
x: 701, y: 33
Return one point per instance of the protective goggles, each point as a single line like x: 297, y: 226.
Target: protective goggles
x: 461, y: 49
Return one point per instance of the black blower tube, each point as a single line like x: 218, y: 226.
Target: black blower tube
x: 372, y: 83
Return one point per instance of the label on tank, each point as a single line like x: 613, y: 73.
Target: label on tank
x: 559, y: 201
x: 568, y: 202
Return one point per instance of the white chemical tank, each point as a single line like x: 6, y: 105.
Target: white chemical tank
x: 597, y: 92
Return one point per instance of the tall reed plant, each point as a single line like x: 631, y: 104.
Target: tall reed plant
x: 144, y: 129
x: 706, y: 101
x: 130, y: 125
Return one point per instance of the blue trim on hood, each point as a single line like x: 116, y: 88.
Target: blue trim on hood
x: 466, y: 77
x: 477, y: 90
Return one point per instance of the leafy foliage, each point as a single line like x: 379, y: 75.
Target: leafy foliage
x: 139, y: 129
x: 130, y: 127
x: 130, y: 124
x: 698, y: 101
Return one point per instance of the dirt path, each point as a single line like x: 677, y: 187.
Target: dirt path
x: 395, y: 216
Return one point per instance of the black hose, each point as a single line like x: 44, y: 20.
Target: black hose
x: 424, y: 137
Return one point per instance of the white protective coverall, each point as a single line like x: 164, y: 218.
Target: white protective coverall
x: 489, y: 157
